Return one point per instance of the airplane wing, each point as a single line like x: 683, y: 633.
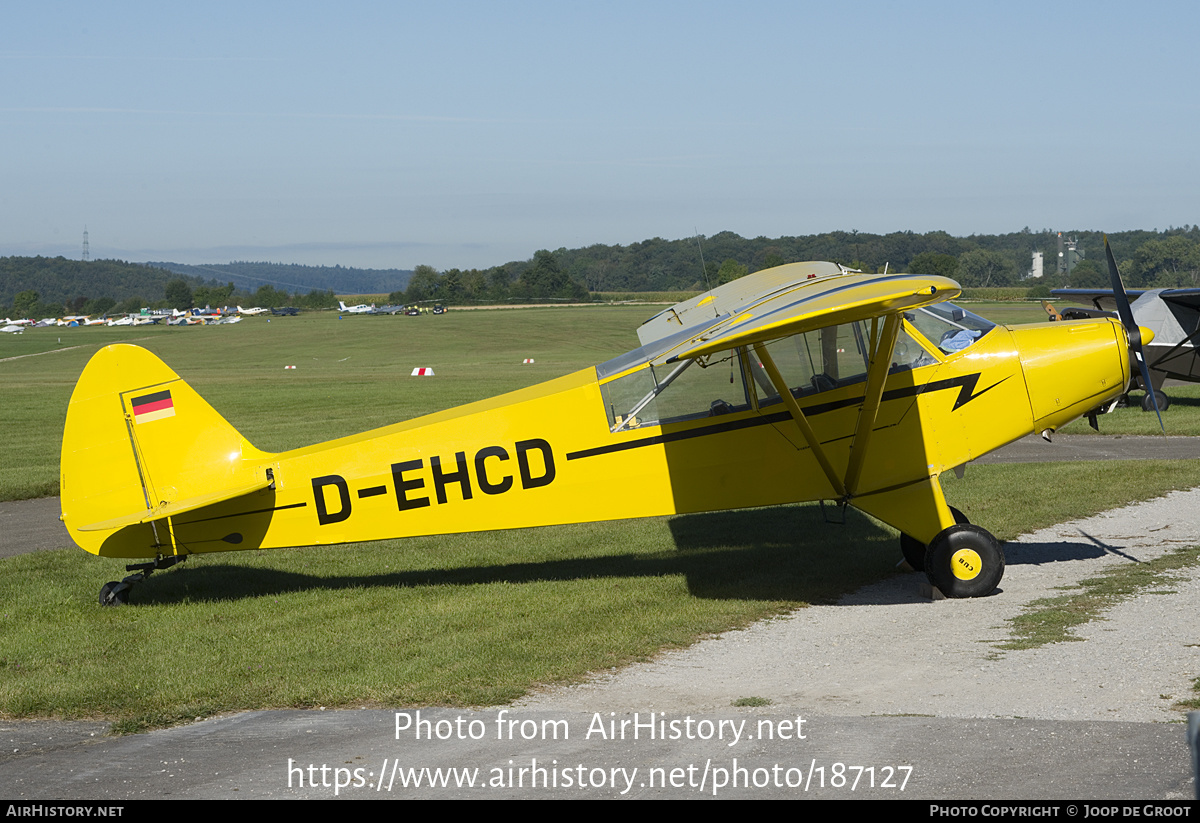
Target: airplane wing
x: 1181, y: 297
x: 811, y: 301
x: 1176, y: 298
x: 1102, y: 299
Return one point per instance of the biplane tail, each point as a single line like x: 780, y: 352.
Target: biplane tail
x: 140, y: 443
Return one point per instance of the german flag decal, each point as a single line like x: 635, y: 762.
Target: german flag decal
x: 153, y: 406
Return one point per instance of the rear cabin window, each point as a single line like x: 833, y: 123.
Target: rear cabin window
x: 830, y: 358
x: 810, y: 363
x: 678, y: 391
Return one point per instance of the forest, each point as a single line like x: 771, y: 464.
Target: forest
x: 36, y: 287
x: 41, y: 286
x: 1146, y: 258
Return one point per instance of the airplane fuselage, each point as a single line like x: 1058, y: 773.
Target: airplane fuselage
x: 567, y: 451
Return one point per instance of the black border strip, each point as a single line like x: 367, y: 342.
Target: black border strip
x: 241, y: 514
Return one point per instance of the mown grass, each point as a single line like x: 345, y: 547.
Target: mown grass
x: 1023, y: 497
x: 351, y: 375
x: 1182, y: 418
x: 464, y: 620
x: 1007, y: 312
x: 460, y: 620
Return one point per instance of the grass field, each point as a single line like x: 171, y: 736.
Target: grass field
x: 352, y: 374
x: 461, y: 620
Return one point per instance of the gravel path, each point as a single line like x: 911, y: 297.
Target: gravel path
x: 888, y: 649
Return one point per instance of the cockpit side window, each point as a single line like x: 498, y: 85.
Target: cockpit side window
x: 810, y: 363
x: 909, y: 354
x: 814, y: 361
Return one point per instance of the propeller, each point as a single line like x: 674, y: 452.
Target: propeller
x: 1125, y: 312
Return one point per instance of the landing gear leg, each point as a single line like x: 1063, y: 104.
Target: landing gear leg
x: 116, y: 593
x: 914, y: 550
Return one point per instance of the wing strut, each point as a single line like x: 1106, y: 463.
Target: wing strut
x: 793, y: 407
x: 881, y: 360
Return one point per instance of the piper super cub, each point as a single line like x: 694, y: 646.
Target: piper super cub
x: 796, y: 383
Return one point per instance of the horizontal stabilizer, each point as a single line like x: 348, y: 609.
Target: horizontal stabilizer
x: 178, y: 507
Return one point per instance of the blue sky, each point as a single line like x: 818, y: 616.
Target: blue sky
x: 388, y: 134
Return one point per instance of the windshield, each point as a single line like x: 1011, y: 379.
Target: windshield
x: 948, y: 327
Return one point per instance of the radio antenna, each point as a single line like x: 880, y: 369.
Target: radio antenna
x: 704, y: 269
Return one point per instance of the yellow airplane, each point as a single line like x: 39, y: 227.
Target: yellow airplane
x: 797, y: 383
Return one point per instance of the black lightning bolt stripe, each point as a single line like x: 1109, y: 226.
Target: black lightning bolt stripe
x: 964, y: 383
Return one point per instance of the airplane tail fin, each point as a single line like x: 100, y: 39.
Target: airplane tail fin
x: 341, y: 305
x: 141, y: 445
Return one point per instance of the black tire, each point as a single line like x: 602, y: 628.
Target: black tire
x: 1161, y: 397
x: 115, y: 594
x: 914, y: 550
x: 965, y: 561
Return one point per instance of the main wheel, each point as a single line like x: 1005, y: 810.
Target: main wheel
x: 914, y: 550
x: 965, y: 561
x: 115, y: 594
x: 1161, y: 397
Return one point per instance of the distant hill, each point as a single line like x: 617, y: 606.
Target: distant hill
x: 63, y: 284
x: 296, y: 279
x: 61, y: 281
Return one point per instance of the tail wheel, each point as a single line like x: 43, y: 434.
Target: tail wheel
x: 914, y: 550
x: 1161, y: 397
x: 115, y: 593
x: 965, y: 561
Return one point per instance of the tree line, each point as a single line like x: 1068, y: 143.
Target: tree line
x: 295, y: 278
x: 1148, y: 259
x: 55, y: 286
x: 541, y: 278
x: 38, y: 286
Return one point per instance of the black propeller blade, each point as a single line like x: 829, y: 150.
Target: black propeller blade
x: 1125, y: 312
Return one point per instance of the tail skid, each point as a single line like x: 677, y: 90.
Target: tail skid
x: 140, y: 441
